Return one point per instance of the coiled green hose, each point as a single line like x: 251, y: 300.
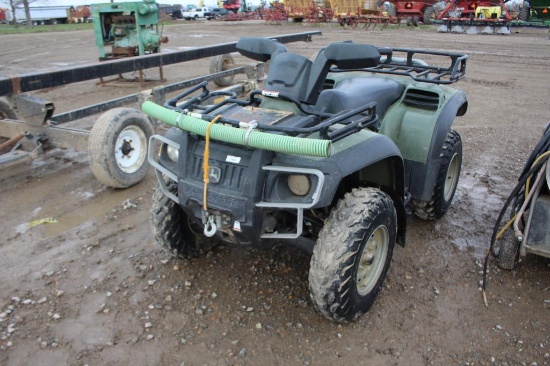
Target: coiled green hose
x: 232, y: 135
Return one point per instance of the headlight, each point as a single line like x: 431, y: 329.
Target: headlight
x: 300, y: 185
x: 173, y: 153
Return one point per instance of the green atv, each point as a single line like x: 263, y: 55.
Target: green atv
x: 326, y: 157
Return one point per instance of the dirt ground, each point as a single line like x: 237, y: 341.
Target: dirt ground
x: 94, y: 288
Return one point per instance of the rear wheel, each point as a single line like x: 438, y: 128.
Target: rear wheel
x: 222, y: 63
x: 429, y: 15
x: 524, y: 13
x: 446, y: 181
x: 508, y: 254
x: 352, y: 255
x: 172, y: 229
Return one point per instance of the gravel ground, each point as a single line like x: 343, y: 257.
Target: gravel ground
x: 93, y: 288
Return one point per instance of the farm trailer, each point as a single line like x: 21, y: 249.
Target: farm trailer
x: 117, y: 142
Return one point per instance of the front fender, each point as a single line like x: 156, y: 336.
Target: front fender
x: 371, y: 156
x: 364, y: 158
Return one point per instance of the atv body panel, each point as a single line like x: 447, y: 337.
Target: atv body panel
x: 386, y: 132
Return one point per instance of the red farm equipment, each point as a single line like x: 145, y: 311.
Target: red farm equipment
x: 319, y: 14
x: 297, y: 10
x: 3, y: 16
x: 276, y: 13
x: 232, y: 5
x: 485, y: 17
x: 415, y: 11
x: 239, y: 10
x: 355, y: 13
x: 311, y: 11
x: 79, y: 14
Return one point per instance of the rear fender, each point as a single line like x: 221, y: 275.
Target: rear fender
x: 420, y: 133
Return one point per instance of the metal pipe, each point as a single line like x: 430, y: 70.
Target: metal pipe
x: 41, y: 80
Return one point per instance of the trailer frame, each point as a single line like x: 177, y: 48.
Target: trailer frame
x: 41, y: 126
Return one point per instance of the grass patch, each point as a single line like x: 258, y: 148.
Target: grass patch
x: 19, y: 29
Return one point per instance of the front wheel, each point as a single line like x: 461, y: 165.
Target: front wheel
x: 118, y: 147
x: 446, y: 181
x: 352, y: 255
x: 172, y: 228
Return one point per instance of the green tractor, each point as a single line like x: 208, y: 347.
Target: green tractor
x: 537, y: 11
x: 328, y: 157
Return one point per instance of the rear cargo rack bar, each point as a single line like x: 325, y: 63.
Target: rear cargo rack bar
x: 418, y: 70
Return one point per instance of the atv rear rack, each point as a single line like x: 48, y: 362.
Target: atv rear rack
x: 416, y: 69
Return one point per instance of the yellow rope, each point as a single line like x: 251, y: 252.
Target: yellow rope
x: 508, y: 224
x: 205, y: 165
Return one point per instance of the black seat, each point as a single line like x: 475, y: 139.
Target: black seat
x: 298, y: 77
x: 359, y: 91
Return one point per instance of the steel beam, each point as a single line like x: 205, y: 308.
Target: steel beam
x: 134, y: 98
x: 34, y: 81
x: 54, y: 136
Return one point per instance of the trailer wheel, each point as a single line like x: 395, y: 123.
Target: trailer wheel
x: 446, y: 181
x: 172, y: 229
x: 117, y: 147
x: 6, y: 110
x: 429, y: 15
x: 352, y: 255
x: 221, y: 63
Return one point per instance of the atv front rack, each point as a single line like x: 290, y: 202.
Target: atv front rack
x: 349, y: 121
x: 416, y: 69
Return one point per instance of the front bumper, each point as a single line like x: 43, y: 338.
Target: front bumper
x: 244, y: 203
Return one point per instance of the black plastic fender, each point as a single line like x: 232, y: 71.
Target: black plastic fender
x: 362, y: 157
